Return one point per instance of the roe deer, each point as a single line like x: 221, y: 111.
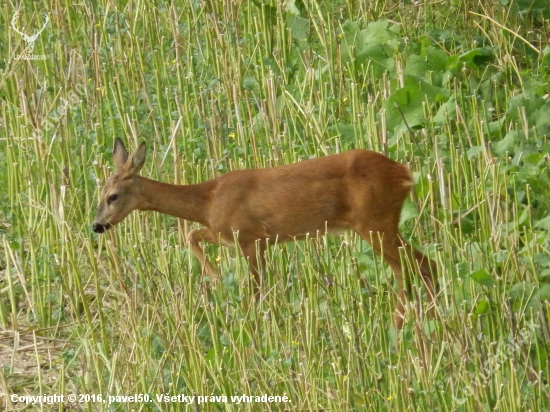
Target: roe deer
x: 359, y: 190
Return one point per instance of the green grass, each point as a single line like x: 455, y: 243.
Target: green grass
x: 215, y: 86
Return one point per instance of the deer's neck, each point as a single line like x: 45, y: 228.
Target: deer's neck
x: 190, y: 202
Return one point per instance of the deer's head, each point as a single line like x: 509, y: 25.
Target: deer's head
x: 121, y: 192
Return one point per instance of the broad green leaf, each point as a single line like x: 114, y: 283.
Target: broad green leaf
x: 377, y: 33
x: 544, y: 292
x: 522, y: 290
x: 483, y: 278
x: 539, y: 8
x: 373, y: 47
x: 482, y: 307
x: 250, y: 82
x: 348, y: 132
x: 298, y: 27
x: 545, y: 61
x: 409, y: 211
x: 479, y: 57
x: 462, y: 269
x: 431, y: 60
x: 543, y: 223
x: 410, y: 100
x: 533, y: 159
x: 375, y: 58
x: 416, y: 66
x: 293, y: 8
x: 437, y: 58
x: 474, y: 151
x: 494, y: 128
x: 541, y: 119
x: 542, y: 259
x: 446, y: 112
x: 269, y: 12
x: 535, y: 107
x: 508, y: 144
x: 525, y: 295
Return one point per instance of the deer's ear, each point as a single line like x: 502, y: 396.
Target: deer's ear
x: 138, y: 159
x: 120, y: 154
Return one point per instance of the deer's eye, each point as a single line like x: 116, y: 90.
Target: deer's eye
x: 111, y: 199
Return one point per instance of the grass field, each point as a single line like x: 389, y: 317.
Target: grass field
x: 457, y: 89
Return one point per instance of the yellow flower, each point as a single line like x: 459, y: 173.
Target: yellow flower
x: 231, y: 135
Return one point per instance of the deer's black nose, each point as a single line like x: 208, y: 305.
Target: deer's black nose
x: 98, y: 228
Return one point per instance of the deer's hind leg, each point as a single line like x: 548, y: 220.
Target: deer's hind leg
x: 387, y: 242
x: 254, y: 251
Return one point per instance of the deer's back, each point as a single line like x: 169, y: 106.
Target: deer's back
x: 291, y: 200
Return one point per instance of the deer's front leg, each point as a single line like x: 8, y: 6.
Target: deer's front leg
x: 255, y: 253
x: 194, y: 238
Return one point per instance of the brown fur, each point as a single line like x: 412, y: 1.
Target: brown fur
x: 359, y: 190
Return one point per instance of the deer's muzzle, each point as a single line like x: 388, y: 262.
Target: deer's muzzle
x: 99, y: 228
